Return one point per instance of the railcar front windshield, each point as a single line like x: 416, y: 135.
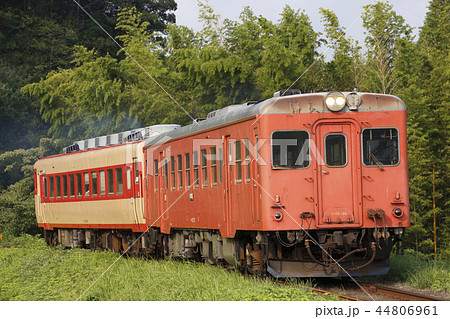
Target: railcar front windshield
x: 290, y: 149
x: 380, y: 147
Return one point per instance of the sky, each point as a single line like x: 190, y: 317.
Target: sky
x: 347, y: 11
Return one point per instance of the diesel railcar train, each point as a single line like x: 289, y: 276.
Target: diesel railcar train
x: 299, y: 185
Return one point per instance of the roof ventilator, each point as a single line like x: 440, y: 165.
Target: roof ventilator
x: 135, y: 136
x: 281, y: 93
x: 72, y: 148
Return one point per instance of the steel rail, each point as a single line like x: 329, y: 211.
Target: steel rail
x: 400, y: 294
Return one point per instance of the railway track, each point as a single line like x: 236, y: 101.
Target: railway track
x: 353, y: 292
x: 398, y: 294
x: 350, y: 291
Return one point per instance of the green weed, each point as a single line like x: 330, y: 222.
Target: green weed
x: 30, y: 270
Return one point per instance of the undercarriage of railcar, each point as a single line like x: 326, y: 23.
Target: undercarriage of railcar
x: 323, y: 253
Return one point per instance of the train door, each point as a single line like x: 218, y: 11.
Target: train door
x: 227, y: 185
x: 255, y: 179
x: 163, y: 187
x: 338, y: 174
x: 137, y: 191
x: 130, y: 184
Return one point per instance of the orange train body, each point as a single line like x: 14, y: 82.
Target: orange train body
x: 287, y: 186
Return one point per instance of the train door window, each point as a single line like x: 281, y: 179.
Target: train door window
x: 220, y: 160
x: 257, y: 155
x: 136, y: 167
x: 110, y: 182
x: 58, y: 186
x: 156, y: 174
x: 204, y: 168
x: 119, y: 181
x: 290, y: 149
x: 79, y: 187
x: 72, y: 185
x: 52, y: 187
x: 172, y: 171
x: 65, y: 194
x: 128, y: 179
x: 180, y: 172
x: 188, y: 169
x: 86, y: 185
x: 214, y: 166
x: 247, y: 159
x: 196, y: 180
x: 230, y: 159
x: 380, y: 147
x: 238, y: 162
x: 102, y: 183
x: 336, y: 150
x: 166, y: 174
x: 94, y: 184
x: 45, y: 187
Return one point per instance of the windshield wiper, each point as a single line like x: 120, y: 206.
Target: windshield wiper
x: 375, y: 159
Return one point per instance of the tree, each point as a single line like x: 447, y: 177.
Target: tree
x: 345, y: 70
x: 385, y: 30
x: 289, y: 53
x: 103, y: 94
x: 17, y: 214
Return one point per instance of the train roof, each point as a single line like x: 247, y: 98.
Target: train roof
x: 296, y: 103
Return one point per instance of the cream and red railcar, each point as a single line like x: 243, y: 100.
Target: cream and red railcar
x: 93, y: 194
x: 299, y: 185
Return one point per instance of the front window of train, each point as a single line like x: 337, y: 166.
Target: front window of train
x: 380, y: 147
x: 290, y: 149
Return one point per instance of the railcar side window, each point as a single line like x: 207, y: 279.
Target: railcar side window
x: 188, y: 170
x: 380, y: 146
x: 128, y: 179
x: 180, y: 171
x: 214, y: 166
x: 79, y: 189
x: 196, y: 168
x: 335, y: 150
x: 172, y: 171
x: 86, y: 185
x: 58, y: 186
x: 119, y: 181
x: 94, y: 184
x: 290, y: 149
x: 103, y: 183
x: 220, y: 159
x: 166, y: 174
x: 204, y: 168
x: 156, y: 174
x: 72, y: 185
x: 45, y: 187
x: 65, y: 186
x: 110, y: 182
x: 238, y: 162
x: 52, y: 187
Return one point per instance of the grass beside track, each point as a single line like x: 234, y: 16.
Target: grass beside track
x: 30, y: 270
x: 418, y: 271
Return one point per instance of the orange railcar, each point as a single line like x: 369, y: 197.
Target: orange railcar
x: 298, y: 185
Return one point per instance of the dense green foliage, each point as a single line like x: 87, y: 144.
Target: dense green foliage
x: 30, y: 270
x: 88, y: 86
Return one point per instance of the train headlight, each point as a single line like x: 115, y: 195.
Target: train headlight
x: 353, y: 101
x: 335, y: 101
